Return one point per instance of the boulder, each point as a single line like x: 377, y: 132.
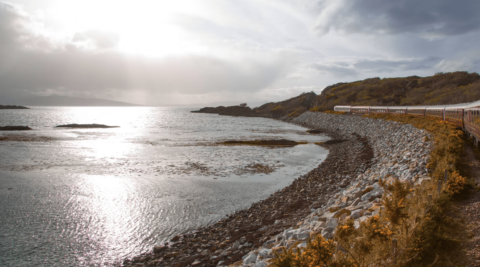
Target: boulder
x: 250, y: 259
x: 159, y: 249
x: 332, y: 222
x: 260, y: 264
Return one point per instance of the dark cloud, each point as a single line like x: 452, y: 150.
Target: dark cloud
x: 430, y: 18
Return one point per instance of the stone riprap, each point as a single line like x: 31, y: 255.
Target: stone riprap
x: 401, y: 151
x: 343, y: 186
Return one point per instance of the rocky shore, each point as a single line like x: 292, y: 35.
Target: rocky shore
x: 344, y: 186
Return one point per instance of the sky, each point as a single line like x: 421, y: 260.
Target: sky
x: 189, y: 52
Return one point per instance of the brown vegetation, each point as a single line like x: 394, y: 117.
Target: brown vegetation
x: 442, y: 88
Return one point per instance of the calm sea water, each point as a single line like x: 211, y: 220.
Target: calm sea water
x: 92, y: 197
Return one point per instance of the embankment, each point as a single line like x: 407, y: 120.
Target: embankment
x: 344, y: 186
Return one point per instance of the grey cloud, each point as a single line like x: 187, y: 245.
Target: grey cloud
x: 356, y: 66
x: 98, y: 39
x: 70, y: 69
x: 429, y: 18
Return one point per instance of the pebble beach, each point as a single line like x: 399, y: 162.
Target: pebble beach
x: 344, y: 186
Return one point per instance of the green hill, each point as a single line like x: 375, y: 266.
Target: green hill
x: 442, y: 88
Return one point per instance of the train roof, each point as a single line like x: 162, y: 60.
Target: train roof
x: 473, y: 104
x: 417, y: 107
x: 360, y: 106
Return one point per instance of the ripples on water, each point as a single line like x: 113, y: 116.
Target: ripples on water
x: 92, y: 197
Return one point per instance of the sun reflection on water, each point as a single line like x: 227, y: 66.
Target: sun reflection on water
x: 110, y: 210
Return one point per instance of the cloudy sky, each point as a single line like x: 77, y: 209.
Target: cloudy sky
x: 202, y: 51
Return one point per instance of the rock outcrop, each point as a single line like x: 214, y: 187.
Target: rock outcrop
x: 85, y: 126
x: 229, y: 111
x: 15, y: 128
x: 12, y: 107
x: 292, y: 108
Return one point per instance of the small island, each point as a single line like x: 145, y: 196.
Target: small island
x: 15, y: 128
x: 86, y: 126
x: 12, y: 107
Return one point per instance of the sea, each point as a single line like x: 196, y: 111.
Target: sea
x: 93, y: 197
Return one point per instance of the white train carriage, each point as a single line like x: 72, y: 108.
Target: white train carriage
x: 360, y: 110
x: 397, y: 110
x: 342, y: 108
x: 379, y: 110
x: 435, y: 111
x: 418, y: 111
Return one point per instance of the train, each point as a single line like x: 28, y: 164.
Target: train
x: 465, y: 116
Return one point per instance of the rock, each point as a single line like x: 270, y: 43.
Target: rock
x: 278, y: 250
x: 195, y: 263
x: 342, y: 212
x: 355, y: 214
x: 159, y: 249
x: 334, y: 208
x: 171, y: 255
x: 175, y: 238
x: 303, y: 235
x: 372, y: 195
x: 235, y: 245
x: 250, y: 259
x: 332, y: 222
x: 264, y: 253
x: 260, y: 264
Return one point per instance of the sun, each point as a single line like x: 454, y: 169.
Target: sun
x: 143, y: 26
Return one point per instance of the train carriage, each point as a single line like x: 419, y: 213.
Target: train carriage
x: 379, y: 110
x: 360, y: 110
x: 435, y: 111
x: 455, y: 115
x: 397, y: 110
x: 472, y: 120
x: 417, y: 111
x: 342, y: 108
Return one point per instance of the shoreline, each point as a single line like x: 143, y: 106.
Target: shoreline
x: 255, y: 225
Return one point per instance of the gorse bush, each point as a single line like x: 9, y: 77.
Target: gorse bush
x: 419, y: 219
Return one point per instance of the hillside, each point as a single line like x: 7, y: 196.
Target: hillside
x: 291, y: 107
x: 442, y: 88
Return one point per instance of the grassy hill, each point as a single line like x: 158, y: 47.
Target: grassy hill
x: 442, y: 88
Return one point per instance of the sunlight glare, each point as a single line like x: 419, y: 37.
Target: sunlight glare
x: 144, y: 26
